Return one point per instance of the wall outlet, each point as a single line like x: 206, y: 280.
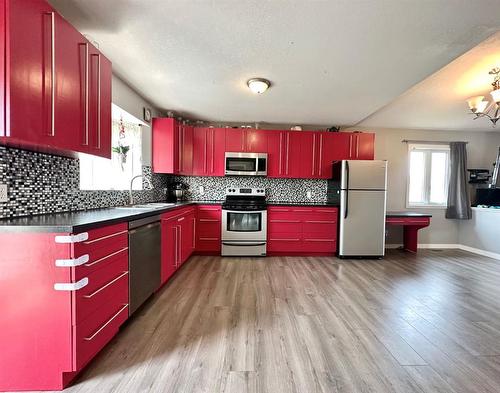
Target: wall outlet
x: 201, y: 190
x: 309, y: 195
x: 4, y: 197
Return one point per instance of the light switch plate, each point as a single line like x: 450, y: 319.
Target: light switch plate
x: 4, y: 197
x: 202, y: 190
x: 309, y: 194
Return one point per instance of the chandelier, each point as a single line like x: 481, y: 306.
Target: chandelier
x: 480, y: 107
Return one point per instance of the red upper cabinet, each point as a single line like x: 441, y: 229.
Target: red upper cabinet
x: 284, y: 158
x: 185, y: 150
x: 246, y: 140
x: 309, y: 151
x: 365, y: 146
x: 165, y: 137
x: 46, y: 103
x: 208, y: 151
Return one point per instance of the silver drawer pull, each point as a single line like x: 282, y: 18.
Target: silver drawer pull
x: 72, y: 286
x: 319, y: 240
x: 105, y: 286
x: 181, y: 219
x: 106, y: 257
x: 209, y: 238
x: 105, y: 237
x: 106, y: 324
x: 72, y: 238
x: 286, y: 240
x: 289, y: 221
x: 207, y: 220
x: 321, y: 222
x: 72, y: 262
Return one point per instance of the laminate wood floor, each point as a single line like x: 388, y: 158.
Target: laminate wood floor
x: 409, y: 323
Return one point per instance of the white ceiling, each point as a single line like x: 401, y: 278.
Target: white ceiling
x: 330, y: 62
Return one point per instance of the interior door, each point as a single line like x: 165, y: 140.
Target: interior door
x: 362, y: 223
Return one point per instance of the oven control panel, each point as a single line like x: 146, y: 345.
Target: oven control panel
x: 246, y: 191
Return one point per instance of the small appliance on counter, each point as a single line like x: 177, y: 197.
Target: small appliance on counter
x: 244, y: 222
x: 479, y: 176
x: 179, y: 191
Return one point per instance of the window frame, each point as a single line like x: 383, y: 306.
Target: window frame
x: 427, y: 177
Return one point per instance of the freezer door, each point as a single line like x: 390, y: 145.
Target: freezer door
x: 364, y: 174
x: 362, y: 223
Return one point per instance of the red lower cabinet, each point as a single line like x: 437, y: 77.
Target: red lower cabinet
x: 302, y: 230
x: 208, y: 229
x: 71, y: 294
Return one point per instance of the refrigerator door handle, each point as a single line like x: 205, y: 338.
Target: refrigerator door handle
x: 346, y: 189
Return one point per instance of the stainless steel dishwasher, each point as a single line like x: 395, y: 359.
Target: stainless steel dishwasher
x: 144, y: 238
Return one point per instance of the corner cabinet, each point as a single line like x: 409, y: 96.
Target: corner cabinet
x: 56, y: 86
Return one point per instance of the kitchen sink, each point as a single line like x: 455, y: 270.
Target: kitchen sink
x: 147, y: 206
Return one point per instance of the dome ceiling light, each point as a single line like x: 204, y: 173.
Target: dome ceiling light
x: 481, y: 108
x: 258, y: 85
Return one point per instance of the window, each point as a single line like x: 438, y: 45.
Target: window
x: 98, y: 173
x: 428, y: 175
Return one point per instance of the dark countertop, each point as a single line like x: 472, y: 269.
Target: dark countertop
x: 80, y: 221
x: 407, y: 214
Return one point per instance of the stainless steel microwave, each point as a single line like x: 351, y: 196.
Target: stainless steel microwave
x: 246, y: 164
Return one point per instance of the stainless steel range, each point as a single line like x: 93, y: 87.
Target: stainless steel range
x: 244, y: 222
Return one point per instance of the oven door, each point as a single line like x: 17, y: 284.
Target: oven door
x: 246, y: 164
x: 242, y: 225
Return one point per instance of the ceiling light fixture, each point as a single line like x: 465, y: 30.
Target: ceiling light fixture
x: 484, y: 108
x: 258, y: 85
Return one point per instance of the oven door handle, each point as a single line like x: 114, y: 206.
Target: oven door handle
x: 243, y: 244
x: 243, y: 211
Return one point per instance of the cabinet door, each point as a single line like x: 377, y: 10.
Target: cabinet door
x: 327, y: 151
x: 216, y: 150
x: 309, y: 151
x: 29, y: 73
x: 70, y: 93
x: 168, y: 249
x: 365, y: 146
x: 293, y: 159
x: 275, y: 153
x: 165, y: 145
x: 235, y: 140
x: 256, y: 141
x: 200, y: 151
x: 186, y: 150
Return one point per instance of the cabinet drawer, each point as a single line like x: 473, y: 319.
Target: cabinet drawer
x: 329, y: 228
x: 316, y: 214
x: 105, y: 285
x: 284, y: 226
x: 288, y: 216
x: 210, y: 229
x: 284, y: 244
x: 208, y: 244
x: 102, y: 242
x: 98, y: 263
x: 98, y: 329
x: 209, y: 212
x: 313, y: 245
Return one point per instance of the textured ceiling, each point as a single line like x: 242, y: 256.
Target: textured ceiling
x: 330, y: 62
x: 439, y: 102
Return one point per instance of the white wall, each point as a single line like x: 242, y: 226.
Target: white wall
x: 482, y: 150
x: 129, y: 100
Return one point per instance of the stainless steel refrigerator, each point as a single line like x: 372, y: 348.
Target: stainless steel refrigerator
x: 362, y: 188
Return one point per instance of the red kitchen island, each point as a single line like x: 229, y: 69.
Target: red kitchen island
x: 411, y: 223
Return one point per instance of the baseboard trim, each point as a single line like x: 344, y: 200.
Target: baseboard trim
x: 431, y: 246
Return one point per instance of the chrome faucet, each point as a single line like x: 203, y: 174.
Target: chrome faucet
x: 131, y: 197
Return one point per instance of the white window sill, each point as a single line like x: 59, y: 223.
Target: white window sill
x: 426, y: 207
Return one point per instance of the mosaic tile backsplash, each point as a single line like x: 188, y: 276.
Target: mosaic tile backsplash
x: 278, y: 190
x: 41, y: 183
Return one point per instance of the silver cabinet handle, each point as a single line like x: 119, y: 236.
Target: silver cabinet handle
x: 289, y: 221
x: 285, y: 240
x: 72, y: 262
x: 320, y: 240
x: 81, y: 237
x: 53, y: 73
x: 104, y: 237
x: 287, y: 151
x: 194, y: 233
x: 105, y: 286
x: 181, y: 219
x: 205, y: 157
x: 314, y: 153
x: 72, y: 286
x: 106, y: 324
x: 86, y: 103
x: 99, y: 101
x: 281, y: 152
x: 106, y: 257
x: 320, y: 169
x: 213, y: 151
x: 207, y: 220
x: 176, y: 246
x: 321, y: 222
x: 357, y: 146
